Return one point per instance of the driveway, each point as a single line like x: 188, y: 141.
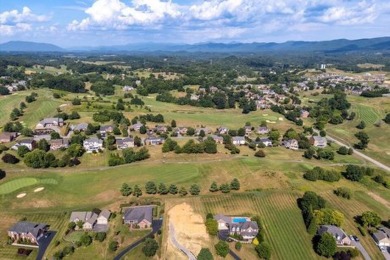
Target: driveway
x: 186, y: 251
x: 224, y: 236
x: 44, y: 243
x: 156, y: 226
x: 361, y: 249
x: 386, y: 253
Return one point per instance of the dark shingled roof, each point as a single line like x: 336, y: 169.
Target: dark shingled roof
x: 28, y: 227
x: 137, y: 214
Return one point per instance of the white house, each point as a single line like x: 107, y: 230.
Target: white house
x: 103, y: 217
x: 93, y: 144
x: 238, y: 140
x: 318, y: 141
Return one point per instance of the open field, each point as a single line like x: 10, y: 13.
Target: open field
x: 370, y: 111
x: 18, y: 184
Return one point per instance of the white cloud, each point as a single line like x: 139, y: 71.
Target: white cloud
x: 117, y: 15
x: 14, y: 21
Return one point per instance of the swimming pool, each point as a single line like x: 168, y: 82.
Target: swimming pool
x: 239, y: 220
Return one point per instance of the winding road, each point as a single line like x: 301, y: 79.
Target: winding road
x: 358, y: 153
x: 186, y: 251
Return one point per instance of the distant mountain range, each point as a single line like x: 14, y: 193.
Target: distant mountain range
x: 333, y: 46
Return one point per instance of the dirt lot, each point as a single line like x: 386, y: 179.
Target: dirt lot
x: 190, y: 231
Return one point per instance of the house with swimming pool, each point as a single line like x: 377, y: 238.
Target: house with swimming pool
x: 237, y: 225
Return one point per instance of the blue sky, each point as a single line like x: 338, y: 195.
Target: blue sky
x: 113, y: 22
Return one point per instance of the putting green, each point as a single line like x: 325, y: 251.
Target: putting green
x: 17, y: 184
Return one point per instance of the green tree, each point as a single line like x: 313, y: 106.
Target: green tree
x: 150, y: 187
x: 173, y: 189
x: 125, y: 189
x: 238, y: 246
x: 137, y: 191
x: 370, y: 219
x: 183, y: 191
x: 364, y: 140
x: 23, y: 150
x: 213, y: 187
x: 100, y: 236
x: 75, y: 150
x: 361, y: 125
x: 86, y: 239
x: 173, y: 123
x: 235, y: 184
x: 354, y: 173
x: 212, y: 226
x: 150, y: 247
x: 162, y: 189
x: 327, y: 216
x: 222, y: 248
x: 113, y: 246
x: 43, y: 145
x: 194, y: 189
x: 387, y: 118
x: 326, y: 245
x: 225, y: 188
x: 205, y: 254
x: 210, y: 146
x: 263, y: 251
x: 343, y: 150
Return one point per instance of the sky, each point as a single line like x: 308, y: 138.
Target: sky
x: 73, y: 23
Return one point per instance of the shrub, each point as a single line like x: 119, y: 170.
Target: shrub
x: 326, y: 245
x: 150, y: 247
x: 113, y: 246
x: 343, y: 192
x: 260, y: 153
x: 238, y: 246
x: 263, y: 251
x: 205, y: 254
x: 212, y: 226
x: 9, y: 158
x: 222, y: 248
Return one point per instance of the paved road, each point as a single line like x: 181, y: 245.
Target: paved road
x: 386, y: 253
x: 156, y: 226
x: 361, y: 249
x: 44, y: 243
x: 380, y: 165
x: 172, y: 236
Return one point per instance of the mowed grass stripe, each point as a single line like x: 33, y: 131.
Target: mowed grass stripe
x: 17, y: 184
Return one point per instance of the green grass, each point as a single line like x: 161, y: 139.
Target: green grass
x: 17, y: 184
x: 7, y: 103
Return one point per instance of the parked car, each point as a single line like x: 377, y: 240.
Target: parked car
x: 356, y: 238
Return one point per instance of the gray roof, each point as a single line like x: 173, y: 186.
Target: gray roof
x: 82, y: 215
x: 105, y: 127
x: 93, y: 140
x: 334, y: 230
x: 51, y: 120
x: 28, y: 227
x: 137, y: 214
x: 121, y: 141
x: 105, y: 213
x: 217, y: 137
x: 319, y: 138
x: 222, y: 217
x: 238, y: 138
x: 26, y: 141
x: 81, y: 127
x: 380, y: 235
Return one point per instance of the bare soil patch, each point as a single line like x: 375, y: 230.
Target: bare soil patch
x: 190, y: 230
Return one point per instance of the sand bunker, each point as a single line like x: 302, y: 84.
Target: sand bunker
x: 280, y: 118
x: 21, y: 195
x: 39, y: 189
x: 265, y: 114
x: 189, y: 228
x: 63, y: 105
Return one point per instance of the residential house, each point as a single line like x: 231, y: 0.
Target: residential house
x: 136, y: 127
x: 222, y: 130
x: 82, y: 127
x: 382, y: 237
x: 57, y: 144
x: 93, y: 144
x: 160, y: 129
x: 237, y: 226
x: 266, y: 141
x: 39, y: 137
x: 213, y: 89
x: 238, y: 140
x: 291, y: 144
x: 305, y: 114
x: 139, y: 216
x: 124, y: 143
x: 90, y: 219
x: 49, y: 122
x: 181, y: 130
x: 318, y: 141
x: 339, y: 235
x: 24, y: 230
x: 103, y: 217
x: 31, y: 144
x: 262, y: 130
x: 104, y: 129
x: 217, y: 139
x: 194, y: 97
x: 153, y: 140
x: 6, y: 137
x: 248, y: 130
x: 127, y: 88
